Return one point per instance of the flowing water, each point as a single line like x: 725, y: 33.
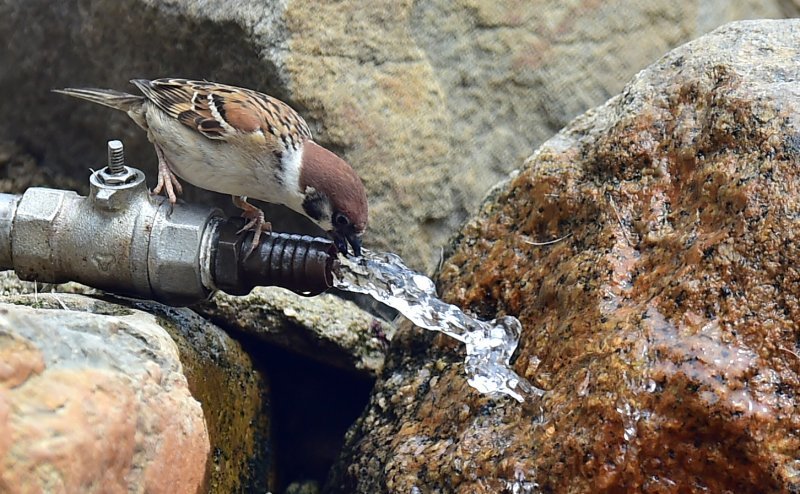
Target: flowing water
x: 489, y: 344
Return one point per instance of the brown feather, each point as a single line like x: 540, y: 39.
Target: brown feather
x: 219, y: 111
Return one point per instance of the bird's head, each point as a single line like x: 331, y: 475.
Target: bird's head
x: 334, y: 197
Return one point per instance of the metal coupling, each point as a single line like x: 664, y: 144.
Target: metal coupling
x: 124, y: 240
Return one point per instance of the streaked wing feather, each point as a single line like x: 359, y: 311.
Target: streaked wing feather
x: 219, y: 111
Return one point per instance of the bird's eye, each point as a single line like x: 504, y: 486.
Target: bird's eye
x: 340, y: 220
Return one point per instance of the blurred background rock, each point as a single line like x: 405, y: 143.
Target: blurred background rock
x: 432, y: 102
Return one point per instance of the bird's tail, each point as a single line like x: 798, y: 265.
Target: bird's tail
x: 106, y: 97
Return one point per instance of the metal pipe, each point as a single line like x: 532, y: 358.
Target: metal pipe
x: 124, y: 240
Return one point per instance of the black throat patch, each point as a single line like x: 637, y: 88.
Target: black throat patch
x: 316, y: 205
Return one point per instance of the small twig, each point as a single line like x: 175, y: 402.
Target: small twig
x: 60, y: 302
x: 619, y: 218
x: 550, y: 242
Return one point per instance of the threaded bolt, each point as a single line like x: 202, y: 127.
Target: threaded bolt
x: 116, y: 158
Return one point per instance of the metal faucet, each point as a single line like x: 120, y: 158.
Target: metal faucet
x: 122, y: 239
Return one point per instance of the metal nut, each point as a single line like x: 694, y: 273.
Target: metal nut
x: 32, y: 249
x: 173, y: 258
x: 109, y: 178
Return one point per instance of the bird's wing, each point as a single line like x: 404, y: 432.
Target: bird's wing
x: 223, y: 112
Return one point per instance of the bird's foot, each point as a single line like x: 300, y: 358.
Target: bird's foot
x: 255, y: 223
x: 167, y: 180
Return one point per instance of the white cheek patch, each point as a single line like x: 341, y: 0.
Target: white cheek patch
x: 291, y: 160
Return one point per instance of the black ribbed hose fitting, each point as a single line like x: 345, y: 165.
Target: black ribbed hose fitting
x: 300, y: 263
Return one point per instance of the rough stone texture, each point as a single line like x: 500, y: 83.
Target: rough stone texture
x: 11, y: 287
x: 514, y: 72
x: 665, y: 328
x: 219, y: 375
x: 76, y: 417
x: 235, y: 398
x: 323, y: 328
x: 432, y: 102
x: 790, y: 8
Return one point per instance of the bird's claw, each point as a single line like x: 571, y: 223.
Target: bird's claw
x: 256, y: 223
x: 167, y: 180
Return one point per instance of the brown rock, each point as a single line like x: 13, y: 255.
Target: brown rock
x: 75, y: 417
x: 664, y: 327
x: 236, y: 400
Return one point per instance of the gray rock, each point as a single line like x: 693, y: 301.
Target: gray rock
x: 324, y: 328
x: 514, y: 73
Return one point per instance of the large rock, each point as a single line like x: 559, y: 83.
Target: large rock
x: 432, y: 102
x: 236, y: 397
x: 664, y: 327
x: 196, y: 365
x: 76, y: 416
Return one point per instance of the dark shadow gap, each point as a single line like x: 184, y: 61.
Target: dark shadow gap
x: 313, y: 405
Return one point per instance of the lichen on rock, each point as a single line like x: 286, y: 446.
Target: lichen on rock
x: 158, y: 397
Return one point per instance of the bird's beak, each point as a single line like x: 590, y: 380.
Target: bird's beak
x: 342, y: 239
x: 355, y: 242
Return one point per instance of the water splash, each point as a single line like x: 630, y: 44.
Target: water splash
x: 489, y: 344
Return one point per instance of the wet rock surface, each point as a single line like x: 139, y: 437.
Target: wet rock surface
x: 431, y: 102
x: 664, y: 327
x: 212, y: 388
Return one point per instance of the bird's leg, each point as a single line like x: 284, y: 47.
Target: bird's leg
x: 167, y: 180
x: 255, y: 221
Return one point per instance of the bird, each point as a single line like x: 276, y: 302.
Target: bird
x: 241, y: 142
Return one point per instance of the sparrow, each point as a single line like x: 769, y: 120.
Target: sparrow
x: 244, y: 143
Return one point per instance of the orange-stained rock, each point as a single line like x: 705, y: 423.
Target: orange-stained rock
x: 95, y: 403
x: 665, y: 327
x: 236, y: 398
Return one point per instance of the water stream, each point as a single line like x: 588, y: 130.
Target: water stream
x: 489, y: 344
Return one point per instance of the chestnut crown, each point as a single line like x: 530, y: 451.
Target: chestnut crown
x: 334, y: 196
